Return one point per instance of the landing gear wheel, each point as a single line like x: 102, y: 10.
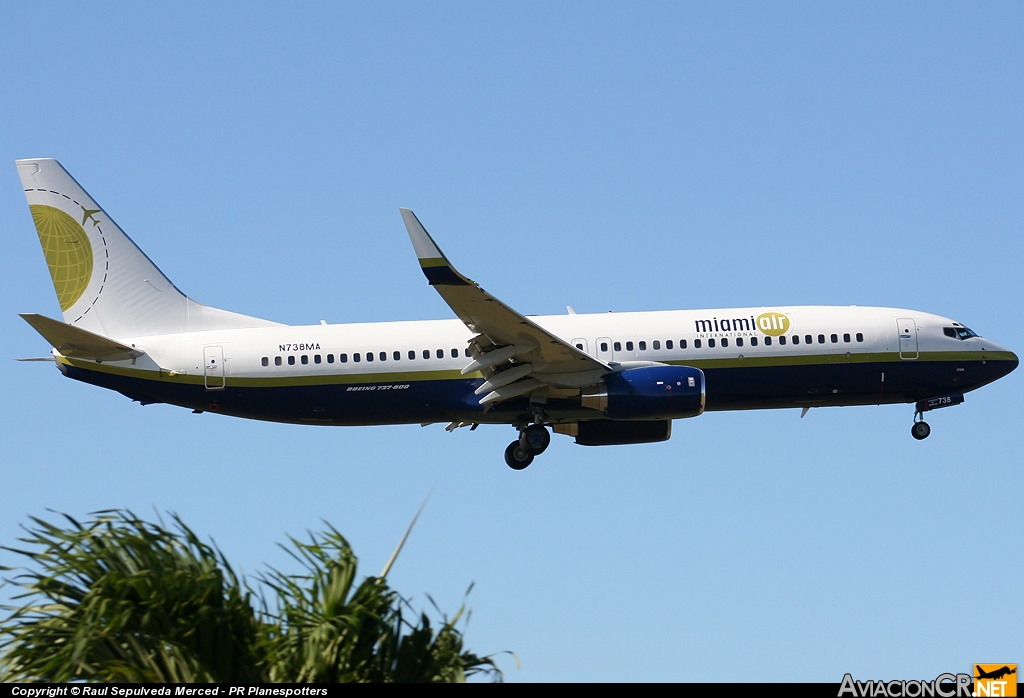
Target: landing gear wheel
x: 535, y: 439
x: 920, y: 430
x: 517, y: 457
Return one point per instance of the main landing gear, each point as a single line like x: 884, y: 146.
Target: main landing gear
x: 533, y: 440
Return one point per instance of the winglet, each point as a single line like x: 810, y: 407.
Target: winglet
x: 76, y: 343
x: 501, y: 334
x: 435, y: 265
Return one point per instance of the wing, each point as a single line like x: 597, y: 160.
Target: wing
x: 515, y: 355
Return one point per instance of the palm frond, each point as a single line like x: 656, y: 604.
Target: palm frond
x: 117, y: 598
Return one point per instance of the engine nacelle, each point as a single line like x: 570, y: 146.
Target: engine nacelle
x: 608, y: 432
x: 656, y: 392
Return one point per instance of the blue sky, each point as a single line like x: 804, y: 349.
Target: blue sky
x: 611, y: 156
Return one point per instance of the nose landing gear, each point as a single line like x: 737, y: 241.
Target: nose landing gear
x: 920, y: 430
x: 533, y: 440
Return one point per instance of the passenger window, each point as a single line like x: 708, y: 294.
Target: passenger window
x: 782, y: 340
x: 629, y: 346
x: 455, y: 353
x: 383, y: 356
x: 860, y: 337
x: 834, y: 338
x: 426, y: 353
x: 711, y: 343
x: 440, y: 353
x: 668, y: 344
x: 682, y: 344
x: 412, y: 355
x: 739, y: 341
x: 642, y: 346
x: 618, y: 346
x: 767, y: 341
x: 466, y: 352
x: 753, y: 341
x: 343, y: 358
x: 355, y: 357
x: 821, y: 339
x: 291, y: 360
x: 330, y: 358
x: 265, y: 361
x: 656, y: 345
x: 369, y: 356
x: 305, y: 359
x: 277, y: 360
x: 808, y: 339
x: 579, y: 346
x: 397, y: 356
x: 316, y: 358
x: 696, y: 343
x: 604, y: 346
x: 725, y: 341
x: 846, y: 337
x: 796, y: 339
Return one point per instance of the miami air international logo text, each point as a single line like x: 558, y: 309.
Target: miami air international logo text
x: 772, y: 324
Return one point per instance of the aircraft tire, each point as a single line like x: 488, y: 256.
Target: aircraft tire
x: 516, y: 457
x: 920, y: 430
x: 534, y: 439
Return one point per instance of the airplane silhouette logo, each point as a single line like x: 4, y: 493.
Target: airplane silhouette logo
x: 995, y: 673
x: 89, y: 214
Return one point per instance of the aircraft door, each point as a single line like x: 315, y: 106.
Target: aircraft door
x: 906, y: 328
x: 604, y: 349
x: 581, y: 344
x: 213, y: 374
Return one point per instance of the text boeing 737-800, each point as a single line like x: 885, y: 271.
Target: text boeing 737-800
x: 617, y: 378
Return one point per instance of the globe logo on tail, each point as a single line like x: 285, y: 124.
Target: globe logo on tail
x: 67, y: 250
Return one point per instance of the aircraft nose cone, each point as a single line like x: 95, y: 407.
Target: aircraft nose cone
x: 1012, y: 363
x: 1007, y: 361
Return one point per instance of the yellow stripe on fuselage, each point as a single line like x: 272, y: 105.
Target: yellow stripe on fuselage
x: 453, y: 374
x: 271, y: 381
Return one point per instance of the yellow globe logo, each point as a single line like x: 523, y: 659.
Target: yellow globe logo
x: 68, y: 252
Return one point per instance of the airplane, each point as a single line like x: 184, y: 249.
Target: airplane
x: 88, y: 214
x: 602, y: 379
x: 994, y: 674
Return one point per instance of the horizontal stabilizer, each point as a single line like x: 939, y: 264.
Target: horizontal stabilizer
x: 77, y: 343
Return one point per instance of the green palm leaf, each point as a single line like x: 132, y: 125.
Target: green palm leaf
x: 121, y: 599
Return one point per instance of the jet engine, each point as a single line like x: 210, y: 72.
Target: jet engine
x: 609, y: 432
x: 650, y: 393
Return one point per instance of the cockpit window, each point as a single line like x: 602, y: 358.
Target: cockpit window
x: 960, y: 332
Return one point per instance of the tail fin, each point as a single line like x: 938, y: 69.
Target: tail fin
x: 105, y: 284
